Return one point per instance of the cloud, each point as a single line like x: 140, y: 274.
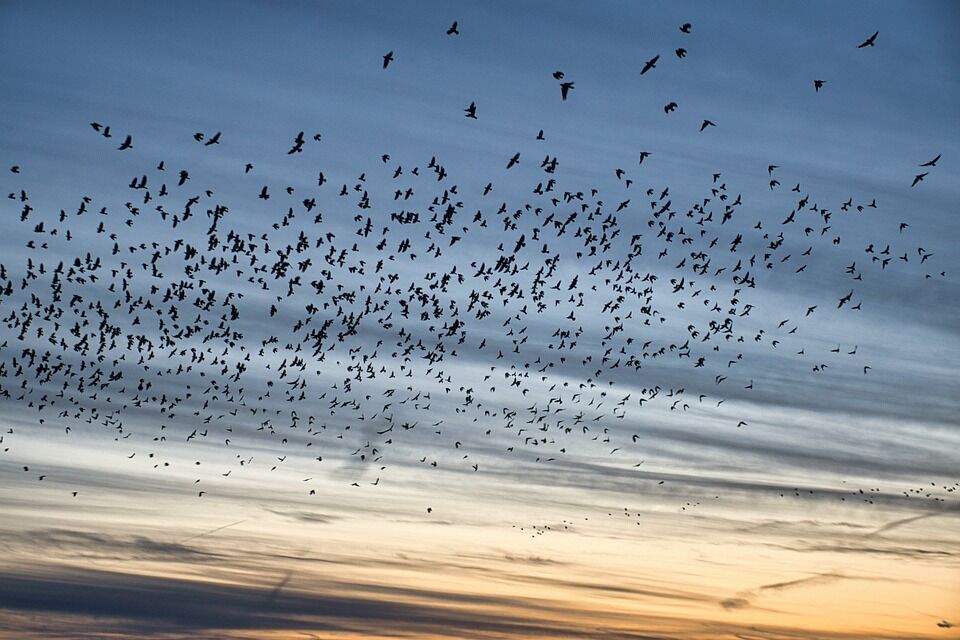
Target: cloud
x: 904, y: 521
x: 904, y: 552
x: 734, y: 603
x: 305, y: 516
x: 151, y: 603
x: 821, y: 578
x: 85, y: 544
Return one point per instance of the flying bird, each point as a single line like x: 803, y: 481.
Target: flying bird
x: 869, y: 42
x: 387, y: 59
x: 452, y: 31
x: 650, y: 64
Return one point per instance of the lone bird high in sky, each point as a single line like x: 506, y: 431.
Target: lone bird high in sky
x: 479, y: 320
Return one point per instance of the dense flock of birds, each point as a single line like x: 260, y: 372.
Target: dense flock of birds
x: 355, y: 330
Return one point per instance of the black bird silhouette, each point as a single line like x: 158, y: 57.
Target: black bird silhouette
x: 126, y: 144
x: 869, y: 42
x: 452, y: 31
x: 514, y: 160
x: 387, y: 59
x: 685, y: 27
x: 818, y: 84
x: 706, y: 123
x: 681, y: 52
x: 565, y: 89
x: 297, y: 144
x: 650, y: 64
x: 931, y: 163
x: 558, y: 75
x: 472, y: 111
x: 918, y: 178
x: 670, y: 107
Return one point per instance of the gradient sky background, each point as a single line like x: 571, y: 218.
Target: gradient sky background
x: 832, y: 513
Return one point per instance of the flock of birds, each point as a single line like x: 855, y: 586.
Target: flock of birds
x: 315, y: 331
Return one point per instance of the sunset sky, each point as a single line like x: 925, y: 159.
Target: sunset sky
x: 802, y: 483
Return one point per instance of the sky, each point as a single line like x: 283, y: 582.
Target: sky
x: 225, y: 416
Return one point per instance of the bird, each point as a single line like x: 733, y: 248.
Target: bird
x: 818, y: 84
x: 680, y: 52
x: 918, y: 178
x: 126, y: 144
x: 298, y: 143
x: 558, y: 75
x: 869, y: 42
x: 670, y: 107
x: 452, y: 31
x: 215, y: 139
x: 565, y: 89
x: 685, y: 27
x: 650, y: 64
x: 387, y: 59
x: 513, y: 161
x: 471, y: 111
x: 931, y: 163
x: 706, y: 123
